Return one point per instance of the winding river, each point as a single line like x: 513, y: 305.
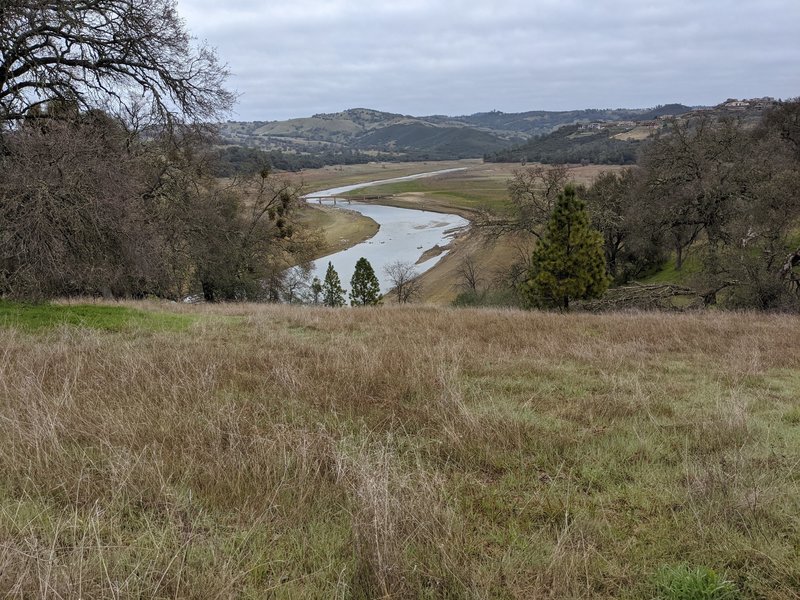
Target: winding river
x: 404, y: 234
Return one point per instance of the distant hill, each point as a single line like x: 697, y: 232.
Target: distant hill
x: 371, y: 131
x: 361, y: 134
x: 608, y: 144
x: 543, y: 122
x: 610, y: 136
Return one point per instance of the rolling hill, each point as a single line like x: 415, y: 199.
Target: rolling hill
x: 600, y: 136
x: 385, y: 135
x: 373, y: 132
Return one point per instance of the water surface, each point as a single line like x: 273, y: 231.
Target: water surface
x: 404, y: 234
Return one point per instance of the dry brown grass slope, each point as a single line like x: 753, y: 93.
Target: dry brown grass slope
x: 274, y: 451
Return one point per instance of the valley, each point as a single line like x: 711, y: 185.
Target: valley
x: 476, y: 191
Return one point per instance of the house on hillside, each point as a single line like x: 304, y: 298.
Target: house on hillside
x: 737, y: 105
x: 763, y: 103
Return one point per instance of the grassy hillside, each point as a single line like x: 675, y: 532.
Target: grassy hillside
x: 387, y: 134
x: 272, y: 451
x: 541, y: 122
x: 434, y: 137
x: 340, y: 228
x: 434, y: 142
x: 570, y: 144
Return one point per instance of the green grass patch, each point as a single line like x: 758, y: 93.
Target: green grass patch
x: 464, y: 191
x: 701, y: 583
x: 669, y: 273
x: 39, y: 317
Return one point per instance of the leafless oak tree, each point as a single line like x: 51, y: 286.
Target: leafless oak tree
x: 469, y: 275
x: 533, y: 192
x: 405, y: 282
x: 132, y: 56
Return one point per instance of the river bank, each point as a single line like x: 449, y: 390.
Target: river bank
x: 405, y: 235
x: 341, y: 228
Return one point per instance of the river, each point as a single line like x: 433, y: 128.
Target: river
x: 404, y: 234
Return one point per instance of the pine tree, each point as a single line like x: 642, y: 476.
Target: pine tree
x: 364, y: 287
x: 332, y: 291
x: 568, y: 263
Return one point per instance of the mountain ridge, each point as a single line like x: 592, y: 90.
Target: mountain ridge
x: 379, y: 133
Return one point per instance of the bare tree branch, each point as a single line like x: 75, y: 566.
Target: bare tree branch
x: 99, y: 52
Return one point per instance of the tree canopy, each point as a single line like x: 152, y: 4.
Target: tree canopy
x: 568, y: 263
x: 364, y: 287
x: 133, y: 58
x: 105, y: 185
x: 332, y: 290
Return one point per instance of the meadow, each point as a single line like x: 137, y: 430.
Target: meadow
x: 249, y: 451
x: 480, y: 187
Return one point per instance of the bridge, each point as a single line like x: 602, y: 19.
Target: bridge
x: 320, y: 199
x: 348, y: 199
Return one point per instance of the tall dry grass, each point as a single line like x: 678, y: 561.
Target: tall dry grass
x: 271, y: 451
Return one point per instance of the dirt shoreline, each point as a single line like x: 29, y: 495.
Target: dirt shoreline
x: 417, y: 201
x: 341, y: 227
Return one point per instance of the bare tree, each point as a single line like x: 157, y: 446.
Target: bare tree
x: 469, y: 276
x: 405, y: 283
x: 533, y: 192
x: 72, y: 218
x: 295, y: 286
x: 696, y: 181
x: 614, y: 206
x: 101, y: 54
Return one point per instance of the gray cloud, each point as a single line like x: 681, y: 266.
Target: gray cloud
x: 296, y: 58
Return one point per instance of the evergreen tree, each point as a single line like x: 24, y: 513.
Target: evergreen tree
x: 568, y: 263
x: 364, y: 287
x: 332, y: 291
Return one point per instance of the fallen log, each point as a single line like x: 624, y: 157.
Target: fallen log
x: 657, y: 296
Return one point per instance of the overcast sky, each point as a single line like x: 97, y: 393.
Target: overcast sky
x: 295, y: 58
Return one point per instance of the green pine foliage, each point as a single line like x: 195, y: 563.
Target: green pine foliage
x: 568, y: 263
x: 332, y: 290
x: 364, y: 287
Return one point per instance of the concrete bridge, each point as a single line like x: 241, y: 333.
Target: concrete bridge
x: 349, y: 200
x: 335, y: 199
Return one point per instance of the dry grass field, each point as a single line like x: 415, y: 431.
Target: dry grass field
x: 242, y: 451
